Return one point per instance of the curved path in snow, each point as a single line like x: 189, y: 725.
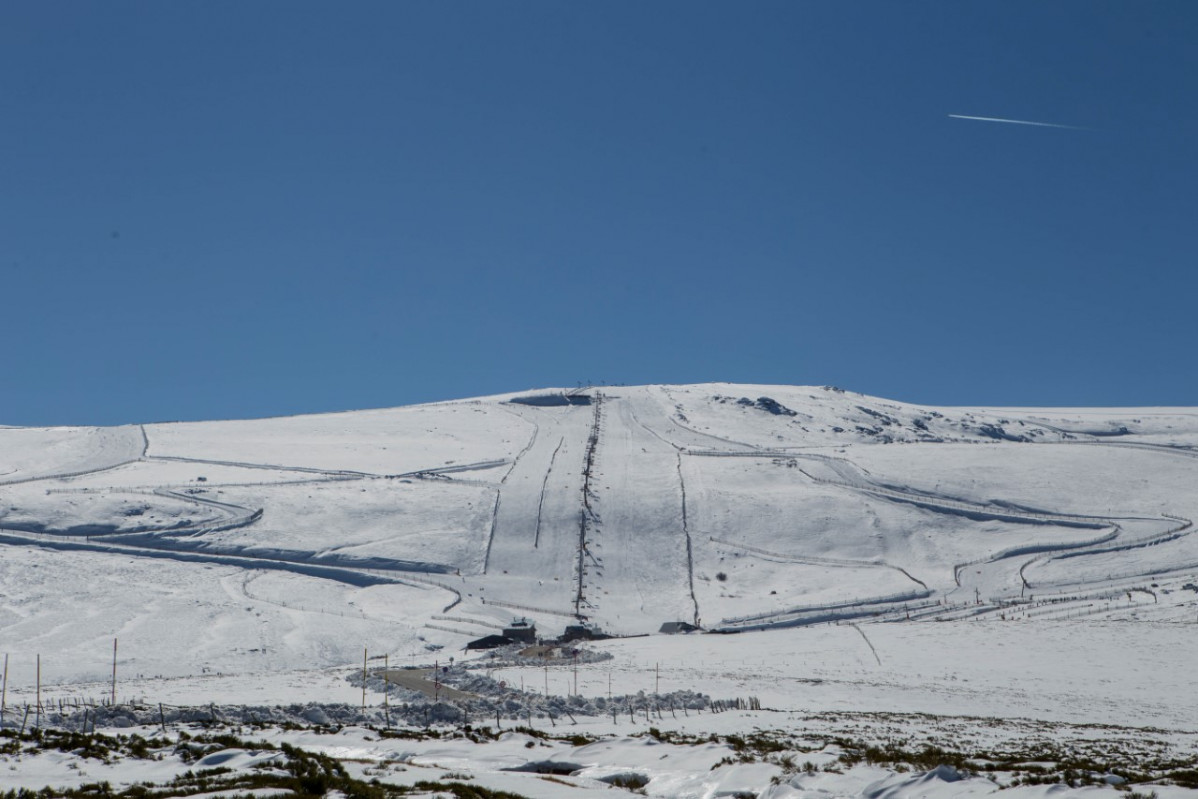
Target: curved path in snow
x: 990, y: 581
x: 187, y: 543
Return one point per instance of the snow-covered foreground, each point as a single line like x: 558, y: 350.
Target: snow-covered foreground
x: 729, y: 757
x: 952, y: 566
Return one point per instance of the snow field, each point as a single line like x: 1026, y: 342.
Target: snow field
x: 33, y: 453
x: 442, y: 524
x: 175, y: 619
x: 391, y: 441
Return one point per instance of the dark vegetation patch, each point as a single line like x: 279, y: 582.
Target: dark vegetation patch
x: 629, y: 781
x: 1135, y: 759
x: 1138, y: 761
x: 298, y: 771
x: 999, y: 433
x: 767, y: 404
x: 886, y: 420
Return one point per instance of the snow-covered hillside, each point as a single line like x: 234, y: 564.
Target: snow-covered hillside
x: 254, y: 549
x: 727, y: 507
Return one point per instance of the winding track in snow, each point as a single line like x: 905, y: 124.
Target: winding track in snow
x: 351, y: 576
x: 154, y: 544
x: 853, y: 477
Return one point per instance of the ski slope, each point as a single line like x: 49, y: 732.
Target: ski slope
x: 260, y: 547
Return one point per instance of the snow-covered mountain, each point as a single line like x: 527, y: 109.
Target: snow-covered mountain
x: 285, y: 543
x: 251, y: 563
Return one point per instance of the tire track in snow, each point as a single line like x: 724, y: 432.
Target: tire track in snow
x: 536, y: 430
x: 536, y: 542
x: 867, y: 642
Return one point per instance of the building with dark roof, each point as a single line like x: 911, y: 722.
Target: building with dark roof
x: 521, y: 630
x: 490, y: 642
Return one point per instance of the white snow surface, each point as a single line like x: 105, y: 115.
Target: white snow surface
x: 863, y: 555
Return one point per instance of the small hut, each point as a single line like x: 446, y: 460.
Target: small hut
x: 521, y: 630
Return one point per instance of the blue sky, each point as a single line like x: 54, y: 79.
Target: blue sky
x: 235, y: 209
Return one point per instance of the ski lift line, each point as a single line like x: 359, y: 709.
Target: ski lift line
x: 587, y: 513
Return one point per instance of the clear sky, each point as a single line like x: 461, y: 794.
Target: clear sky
x: 235, y: 209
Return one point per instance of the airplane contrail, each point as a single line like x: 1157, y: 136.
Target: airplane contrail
x: 1016, y: 122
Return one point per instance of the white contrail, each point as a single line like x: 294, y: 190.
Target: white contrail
x: 1016, y: 122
